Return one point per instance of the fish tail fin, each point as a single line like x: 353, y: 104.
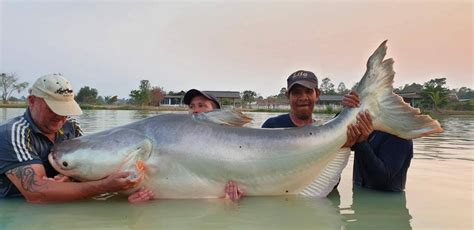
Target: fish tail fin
x: 388, y: 110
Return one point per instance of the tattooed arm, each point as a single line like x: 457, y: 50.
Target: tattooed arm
x: 29, y: 180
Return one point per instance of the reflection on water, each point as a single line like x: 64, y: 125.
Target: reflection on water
x: 440, y: 180
x: 252, y: 213
x: 374, y: 210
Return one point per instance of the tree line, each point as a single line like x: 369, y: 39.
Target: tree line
x: 434, y: 94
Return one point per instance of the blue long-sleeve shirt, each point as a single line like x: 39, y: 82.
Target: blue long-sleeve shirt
x: 382, y: 162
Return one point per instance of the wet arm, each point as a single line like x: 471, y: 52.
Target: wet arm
x: 29, y: 180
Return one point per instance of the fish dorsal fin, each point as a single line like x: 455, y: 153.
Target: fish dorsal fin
x: 329, y: 177
x: 224, y: 117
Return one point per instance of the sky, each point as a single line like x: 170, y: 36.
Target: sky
x: 233, y: 45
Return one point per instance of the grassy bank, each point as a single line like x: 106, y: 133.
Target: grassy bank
x: 175, y: 108
x: 109, y: 107
x: 16, y: 105
x: 133, y: 107
x: 447, y: 112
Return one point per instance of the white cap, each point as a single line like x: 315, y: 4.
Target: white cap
x: 58, y: 94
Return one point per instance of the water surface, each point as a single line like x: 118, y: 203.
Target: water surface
x: 439, y: 194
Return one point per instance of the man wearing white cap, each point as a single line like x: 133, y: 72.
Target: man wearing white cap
x: 26, y: 141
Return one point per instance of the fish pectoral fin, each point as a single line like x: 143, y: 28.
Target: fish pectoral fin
x: 138, y: 173
x: 142, y: 150
x: 329, y: 177
x: 224, y: 117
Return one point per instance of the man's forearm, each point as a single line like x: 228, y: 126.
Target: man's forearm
x: 51, y: 191
x: 29, y: 180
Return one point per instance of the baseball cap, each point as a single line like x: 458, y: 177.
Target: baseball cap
x: 302, y: 77
x: 57, y: 93
x: 188, y: 97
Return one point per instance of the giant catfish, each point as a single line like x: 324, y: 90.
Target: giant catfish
x: 193, y: 156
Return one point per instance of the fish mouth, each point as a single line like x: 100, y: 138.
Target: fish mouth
x: 53, y: 161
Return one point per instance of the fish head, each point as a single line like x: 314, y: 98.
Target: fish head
x: 96, y: 156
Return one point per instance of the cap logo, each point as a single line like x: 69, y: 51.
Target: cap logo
x: 301, y: 74
x: 64, y: 92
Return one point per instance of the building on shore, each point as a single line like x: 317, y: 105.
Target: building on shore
x: 227, y: 99
x: 232, y: 99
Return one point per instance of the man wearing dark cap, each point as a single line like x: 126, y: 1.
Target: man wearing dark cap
x: 381, y: 160
x: 199, y: 101
x: 303, y: 93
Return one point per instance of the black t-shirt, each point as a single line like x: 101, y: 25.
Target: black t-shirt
x: 281, y: 121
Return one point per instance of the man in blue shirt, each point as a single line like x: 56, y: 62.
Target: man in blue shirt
x: 26, y: 141
x: 381, y: 160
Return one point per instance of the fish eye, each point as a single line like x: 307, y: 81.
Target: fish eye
x: 65, y: 164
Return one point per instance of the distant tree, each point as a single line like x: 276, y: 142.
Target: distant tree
x: 248, y: 97
x: 122, y: 101
x: 282, y: 92
x: 157, y: 95
x: 341, y: 89
x: 272, y: 100
x: 142, y: 96
x: 111, y: 99
x: 327, y: 87
x: 12, y: 98
x: 435, y: 93
x: 226, y: 101
x: 465, y: 93
x: 87, y: 95
x: 9, y: 84
x: 100, y: 100
x: 280, y: 98
x: 412, y: 88
x: 180, y: 93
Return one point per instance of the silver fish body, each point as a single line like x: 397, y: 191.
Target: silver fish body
x: 188, y: 156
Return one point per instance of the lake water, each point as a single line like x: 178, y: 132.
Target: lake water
x: 439, y: 194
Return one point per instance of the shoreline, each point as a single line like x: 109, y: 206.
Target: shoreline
x: 177, y: 108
